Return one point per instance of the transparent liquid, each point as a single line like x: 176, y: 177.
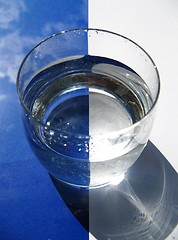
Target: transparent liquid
x: 83, y: 103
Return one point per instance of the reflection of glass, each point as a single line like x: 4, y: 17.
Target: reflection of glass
x: 88, y: 100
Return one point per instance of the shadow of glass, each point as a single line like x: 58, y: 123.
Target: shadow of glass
x: 144, y: 205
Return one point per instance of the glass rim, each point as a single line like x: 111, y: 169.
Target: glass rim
x: 80, y: 135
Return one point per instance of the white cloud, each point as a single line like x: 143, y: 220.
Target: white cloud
x: 13, y: 44
x: 10, y: 11
x: 55, y: 27
x: 2, y: 97
x: 12, y: 48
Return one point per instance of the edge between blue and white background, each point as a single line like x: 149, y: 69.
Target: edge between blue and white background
x: 152, y: 24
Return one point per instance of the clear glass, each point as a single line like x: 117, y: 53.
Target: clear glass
x: 88, y: 98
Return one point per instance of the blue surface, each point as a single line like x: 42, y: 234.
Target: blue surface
x: 30, y: 207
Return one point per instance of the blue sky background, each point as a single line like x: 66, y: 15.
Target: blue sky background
x: 24, y: 184
x: 24, y: 23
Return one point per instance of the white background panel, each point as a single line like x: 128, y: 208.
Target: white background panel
x: 154, y: 26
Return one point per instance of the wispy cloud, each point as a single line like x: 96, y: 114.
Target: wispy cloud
x: 13, y: 45
x: 53, y: 27
x: 10, y: 11
x: 2, y: 97
x: 12, y: 48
